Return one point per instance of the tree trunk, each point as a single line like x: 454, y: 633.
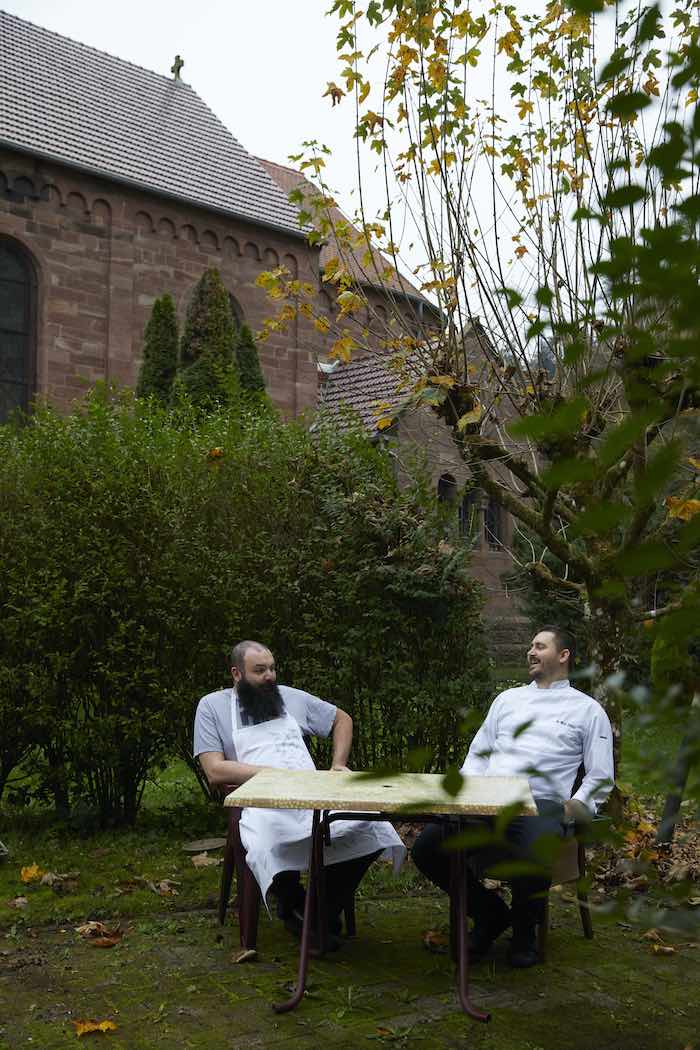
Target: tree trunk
x: 679, y: 779
x: 606, y: 634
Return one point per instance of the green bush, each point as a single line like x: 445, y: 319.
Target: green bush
x: 248, y: 362
x: 208, y: 374
x: 160, y: 348
x: 143, y: 542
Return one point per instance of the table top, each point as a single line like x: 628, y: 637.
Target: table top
x: 419, y: 792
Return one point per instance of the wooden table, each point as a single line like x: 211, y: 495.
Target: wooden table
x: 398, y: 797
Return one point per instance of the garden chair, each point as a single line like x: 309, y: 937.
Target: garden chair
x: 247, y: 902
x: 570, y: 866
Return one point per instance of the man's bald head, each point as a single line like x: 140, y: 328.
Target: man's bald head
x: 239, y: 651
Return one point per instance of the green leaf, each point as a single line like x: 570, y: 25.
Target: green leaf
x: 569, y: 472
x: 623, y: 196
x: 544, y: 295
x: 452, y: 781
x: 659, y: 469
x: 650, y: 23
x: 622, y: 437
x: 513, y: 298
x: 601, y: 519
x: 565, y: 419
x: 627, y: 103
x: 644, y: 559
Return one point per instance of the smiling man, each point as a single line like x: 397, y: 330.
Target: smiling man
x: 260, y: 725
x: 545, y: 730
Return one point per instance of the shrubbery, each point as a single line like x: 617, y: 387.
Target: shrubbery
x: 137, y: 544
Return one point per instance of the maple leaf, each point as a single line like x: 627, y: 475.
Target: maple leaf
x: 31, y: 873
x: 86, y: 1027
x: 334, y: 92
x: 685, y: 509
x: 523, y: 107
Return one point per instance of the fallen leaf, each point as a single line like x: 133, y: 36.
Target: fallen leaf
x: 652, y: 935
x: 203, y: 860
x: 663, y: 949
x: 18, y: 902
x: 164, y: 888
x: 99, y: 935
x: 125, y: 886
x: 85, y: 1027
x: 32, y: 873
x: 246, y: 955
x: 435, y: 941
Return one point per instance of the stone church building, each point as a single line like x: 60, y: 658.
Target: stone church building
x: 118, y: 184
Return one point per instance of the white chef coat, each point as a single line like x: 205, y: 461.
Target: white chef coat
x: 546, y: 733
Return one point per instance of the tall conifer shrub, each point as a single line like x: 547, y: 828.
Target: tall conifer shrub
x: 208, y: 372
x: 159, y: 352
x: 249, y: 370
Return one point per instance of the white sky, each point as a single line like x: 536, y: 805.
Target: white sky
x: 260, y: 65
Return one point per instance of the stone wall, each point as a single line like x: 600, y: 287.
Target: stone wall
x: 103, y: 252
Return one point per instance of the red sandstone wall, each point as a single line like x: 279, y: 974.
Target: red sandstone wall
x: 104, y: 252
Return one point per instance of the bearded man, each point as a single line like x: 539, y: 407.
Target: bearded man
x: 261, y: 725
x: 545, y: 730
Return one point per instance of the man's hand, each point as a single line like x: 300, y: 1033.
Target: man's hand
x: 577, y: 811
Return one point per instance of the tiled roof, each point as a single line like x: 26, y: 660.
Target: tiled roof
x: 363, y: 271
x: 71, y: 103
x: 359, y: 385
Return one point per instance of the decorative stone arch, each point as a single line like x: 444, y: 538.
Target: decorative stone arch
x: 251, y: 251
x: 18, y: 327
x: 144, y: 222
x: 271, y: 258
x: 101, y: 213
x: 209, y: 240
x: 231, y: 248
x: 166, y: 229
x: 77, y: 203
x: 236, y: 310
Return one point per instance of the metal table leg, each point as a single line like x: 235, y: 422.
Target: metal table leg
x: 458, y: 936
x: 313, y: 900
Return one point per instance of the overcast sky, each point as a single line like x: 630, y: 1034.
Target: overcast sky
x: 261, y: 66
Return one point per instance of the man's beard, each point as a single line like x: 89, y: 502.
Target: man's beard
x: 260, y: 702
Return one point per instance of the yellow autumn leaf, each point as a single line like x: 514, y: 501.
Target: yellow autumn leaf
x: 470, y: 417
x: 322, y: 324
x: 692, y: 97
x: 520, y: 251
x: 86, y: 1027
x: 524, y: 107
x: 384, y: 422
x: 343, y: 348
x: 446, y: 381
x: 694, y: 462
x: 684, y: 509
x: 32, y: 873
x: 364, y: 91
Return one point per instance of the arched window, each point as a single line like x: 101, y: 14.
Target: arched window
x: 470, y: 515
x: 493, y: 525
x: 17, y: 328
x: 446, y: 488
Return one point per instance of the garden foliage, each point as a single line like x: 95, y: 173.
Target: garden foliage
x: 160, y: 352
x: 140, y: 543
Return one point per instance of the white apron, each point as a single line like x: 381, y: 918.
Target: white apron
x: 280, y: 839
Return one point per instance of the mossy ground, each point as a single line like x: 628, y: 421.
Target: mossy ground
x: 169, y: 984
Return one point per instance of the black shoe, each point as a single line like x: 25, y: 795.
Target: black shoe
x: 523, y: 949
x: 485, y: 933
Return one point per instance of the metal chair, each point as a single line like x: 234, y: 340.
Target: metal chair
x: 247, y: 901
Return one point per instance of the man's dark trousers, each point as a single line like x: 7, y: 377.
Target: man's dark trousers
x: 526, y: 841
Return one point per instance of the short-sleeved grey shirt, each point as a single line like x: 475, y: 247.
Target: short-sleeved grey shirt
x: 212, y: 723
